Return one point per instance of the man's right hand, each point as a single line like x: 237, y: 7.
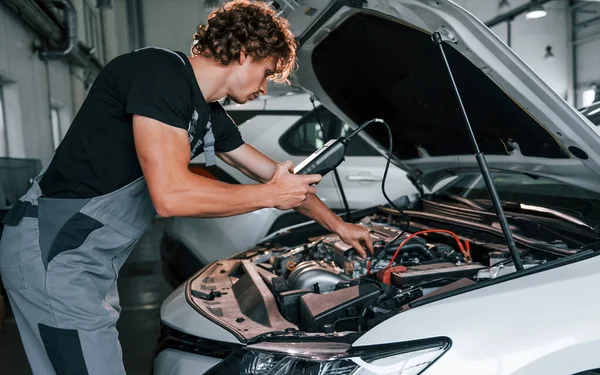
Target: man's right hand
x: 290, y: 190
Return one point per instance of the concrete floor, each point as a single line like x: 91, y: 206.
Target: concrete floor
x: 142, y: 288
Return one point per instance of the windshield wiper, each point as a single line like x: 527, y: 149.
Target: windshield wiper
x: 550, y: 212
x: 523, y: 207
x: 466, y: 201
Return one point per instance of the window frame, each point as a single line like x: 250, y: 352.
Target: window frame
x: 93, y: 30
x: 291, y: 149
x: 56, y: 129
x: 4, y: 148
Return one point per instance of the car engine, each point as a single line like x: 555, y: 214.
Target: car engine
x: 323, y: 285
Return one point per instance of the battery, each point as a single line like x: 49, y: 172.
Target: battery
x: 417, y: 274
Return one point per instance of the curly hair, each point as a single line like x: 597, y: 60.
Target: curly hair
x: 249, y: 26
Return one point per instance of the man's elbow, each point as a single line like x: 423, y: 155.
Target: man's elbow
x: 165, y: 204
x: 163, y: 208
x: 165, y: 198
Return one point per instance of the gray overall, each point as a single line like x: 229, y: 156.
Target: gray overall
x: 59, y: 262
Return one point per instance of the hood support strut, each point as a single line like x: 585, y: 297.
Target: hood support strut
x: 485, y: 171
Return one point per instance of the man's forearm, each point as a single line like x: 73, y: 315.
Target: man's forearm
x: 259, y: 167
x: 314, y: 208
x: 201, y: 197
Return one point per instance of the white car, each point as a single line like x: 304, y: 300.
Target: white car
x: 592, y: 112
x: 286, y: 127
x: 458, y: 298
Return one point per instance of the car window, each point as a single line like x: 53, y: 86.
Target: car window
x: 595, y: 119
x: 314, y: 130
x: 593, y: 113
x: 520, y: 188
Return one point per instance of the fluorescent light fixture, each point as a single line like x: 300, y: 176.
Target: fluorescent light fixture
x: 588, y: 97
x: 535, y: 11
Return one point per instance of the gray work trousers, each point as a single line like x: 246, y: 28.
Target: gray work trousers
x: 59, y: 261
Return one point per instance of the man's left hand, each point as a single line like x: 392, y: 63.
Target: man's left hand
x: 353, y: 235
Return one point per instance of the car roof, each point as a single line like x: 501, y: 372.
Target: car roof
x: 292, y: 103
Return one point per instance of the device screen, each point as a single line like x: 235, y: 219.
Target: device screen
x: 312, y: 157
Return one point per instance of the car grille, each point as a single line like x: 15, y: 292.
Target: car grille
x: 170, y: 338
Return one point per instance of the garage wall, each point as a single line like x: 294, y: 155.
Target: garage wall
x: 171, y: 25
x: 27, y: 92
x: 115, y: 30
x: 31, y: 88
x: 530, y: 38
x: 586, y: 48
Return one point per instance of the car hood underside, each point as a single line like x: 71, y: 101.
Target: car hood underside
x: 378, y: 60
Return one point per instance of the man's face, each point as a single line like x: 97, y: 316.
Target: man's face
x: 249, y: 78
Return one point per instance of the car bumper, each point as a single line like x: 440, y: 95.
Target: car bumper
x: 176, y: 362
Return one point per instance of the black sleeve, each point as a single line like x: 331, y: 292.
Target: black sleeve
x: 227, y: 134
x: 159, y: 88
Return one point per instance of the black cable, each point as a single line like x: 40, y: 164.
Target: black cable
x: 335, y: 172
x: 387, y: 166
x: 377, y: 256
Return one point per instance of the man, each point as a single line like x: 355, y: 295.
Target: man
x: 124, y: 159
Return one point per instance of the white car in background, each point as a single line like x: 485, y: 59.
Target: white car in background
x: 592, y: 112
x: 452, y: 299
x: 285, y: 127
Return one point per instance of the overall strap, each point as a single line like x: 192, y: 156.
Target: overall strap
x: 209, y: 137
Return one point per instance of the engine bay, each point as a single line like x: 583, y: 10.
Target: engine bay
x: 322, y: 286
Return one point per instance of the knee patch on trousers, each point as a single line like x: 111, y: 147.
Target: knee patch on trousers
x: 64, y: 350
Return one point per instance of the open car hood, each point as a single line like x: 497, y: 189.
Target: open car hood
x: 376, y: 58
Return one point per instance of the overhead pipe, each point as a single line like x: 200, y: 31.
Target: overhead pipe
x: 508, y: 16
x: 587, y: 22
x: 36, y: 18
x: 71, y: 32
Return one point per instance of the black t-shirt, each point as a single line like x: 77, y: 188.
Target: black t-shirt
x: 97, y: 155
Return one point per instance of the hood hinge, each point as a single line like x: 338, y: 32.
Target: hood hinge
x: 447, y: 35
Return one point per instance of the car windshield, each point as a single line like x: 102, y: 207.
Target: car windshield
x: 521, y: 188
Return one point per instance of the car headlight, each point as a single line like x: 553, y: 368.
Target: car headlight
x: 320, y: 358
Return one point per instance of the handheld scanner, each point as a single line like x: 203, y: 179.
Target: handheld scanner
x: 325, y: 159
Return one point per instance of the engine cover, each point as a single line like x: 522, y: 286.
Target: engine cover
x: 336, y: 308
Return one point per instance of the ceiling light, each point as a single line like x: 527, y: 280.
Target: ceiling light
x: 588, y: 97
x: 535, y: 11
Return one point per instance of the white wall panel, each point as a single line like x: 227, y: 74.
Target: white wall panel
x: 171, y: 24
x: 587, y: 52
x: 530, y: 37
x: 27, y: 93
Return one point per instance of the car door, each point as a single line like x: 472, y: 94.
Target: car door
x: 361, y: 173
